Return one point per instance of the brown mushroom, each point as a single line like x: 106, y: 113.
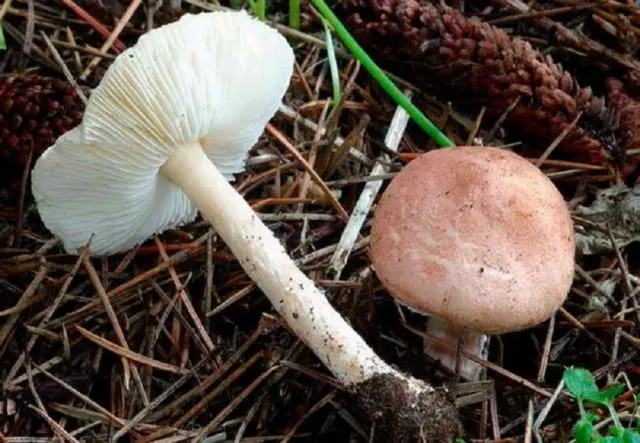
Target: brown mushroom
x: 480, y: 240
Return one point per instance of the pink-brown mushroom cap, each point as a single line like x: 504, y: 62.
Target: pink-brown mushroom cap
x: 478, y: 237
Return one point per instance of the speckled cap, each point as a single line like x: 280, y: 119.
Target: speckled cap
x: 478, y: 237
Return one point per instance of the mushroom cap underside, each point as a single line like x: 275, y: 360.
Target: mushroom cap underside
x: 212, y: 78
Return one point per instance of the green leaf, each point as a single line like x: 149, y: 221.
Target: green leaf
x: 624, y: 435
x: 580, y: 383
x: 611, y: 393
x: 611, y: 440
x: 583, y: 429
x: 630, y: 436
x: 3, y: 44
x: 616, y: 431
x: 333, y: 64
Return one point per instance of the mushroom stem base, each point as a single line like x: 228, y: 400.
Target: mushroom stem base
x: 404, y: 413
x: 302, y: 305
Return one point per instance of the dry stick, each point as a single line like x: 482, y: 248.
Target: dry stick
x: 48, y: 314
x: 4, y: 8
x: 529, y: 424
x: 16, y: 34
x: 232, y: 299
x: 41, y: 410
x: 537, y: 424
x: 198, y: 407
x: 286, y: 144
x: 95, y: 280
x: 557, y: 140
x: 72, y: 42
x: 18, y: 380
x: 86, y: 414
x: 138, y: 279
x: 627, y: 292
x: 23, y: 193
x: 533, y: 427
x: 156, y: 401
x: 546, y: 13
x: 57, y: 429
x: 160, y: 326
x: 337, y: 141
x: 567, y: 36
x: 328, y: 250
x: 131, y: 9
x: 112, y: 418
x: 313, y: 153
x: 111, y: 315
x: 206, y: 383
x: 369, y: 193
x: 30, y: 27
x: 498, y: 123
x: 477, y: 123
x: 65, y: 69
x: 185, y: 299
x: 84, y: 15
x: 207, y: 301
x: 127, y: 353
x: 624, y: 271
x: 318, y: 376
x: 250, y: 415
x: 544, y: 359
x: 74, y: 47
x: 315, y: 408
x: 24, y: 300
x: 231, y: 406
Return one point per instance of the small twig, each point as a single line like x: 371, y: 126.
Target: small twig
x: 65, y: 69
x: 126, y: 353
x: 286, y: 144
x: 232, y: 405
x: 368, y: 194
x: 95, y: 24
x: 124, y: 20
x: 185, y: 299
x: 558, y: 139
x: 86, y: 399
x: 111, y: 315
x: 157, y: 401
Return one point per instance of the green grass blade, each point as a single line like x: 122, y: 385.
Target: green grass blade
x: 333, y: 64
x: 259, y: 8
x: 3, y: 44
x: 294, y: 14
x: 377, y: 73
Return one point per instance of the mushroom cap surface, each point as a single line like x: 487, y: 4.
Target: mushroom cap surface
x: 213, y: 78
x: 478, y: 237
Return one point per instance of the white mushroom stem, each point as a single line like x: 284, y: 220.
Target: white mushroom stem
x: 264, y: 259
x: 473, y: 343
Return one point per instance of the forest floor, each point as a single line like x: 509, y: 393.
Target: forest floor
x: 208, y: 356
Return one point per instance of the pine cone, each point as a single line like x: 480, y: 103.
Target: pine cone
x: 426, y: 43
x: 33, y: 109
x: 628, y: 111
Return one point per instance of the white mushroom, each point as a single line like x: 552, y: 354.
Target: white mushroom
x: 168, y: 126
